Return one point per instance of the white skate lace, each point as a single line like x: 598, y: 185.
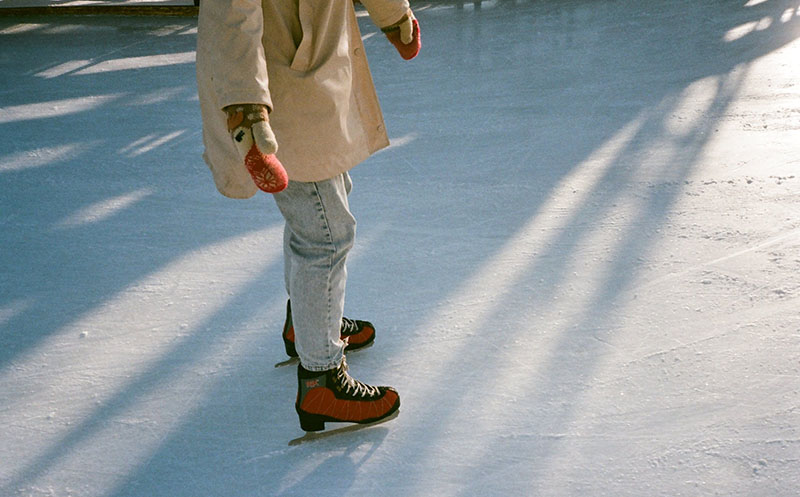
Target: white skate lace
x: 349, y: 327
x: 354, y: 387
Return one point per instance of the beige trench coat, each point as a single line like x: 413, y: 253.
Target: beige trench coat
x: 305, y: 60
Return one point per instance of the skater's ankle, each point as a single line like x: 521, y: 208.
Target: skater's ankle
x: 307, y: 373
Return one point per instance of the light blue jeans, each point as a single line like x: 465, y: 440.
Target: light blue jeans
x: 319, y: 232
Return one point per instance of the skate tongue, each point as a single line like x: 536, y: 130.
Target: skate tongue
x: 353, y: 386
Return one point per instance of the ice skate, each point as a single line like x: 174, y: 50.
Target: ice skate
x: 356, y: 333
x: 333, y: 396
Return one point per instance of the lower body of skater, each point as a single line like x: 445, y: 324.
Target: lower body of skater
x: 319, y: 233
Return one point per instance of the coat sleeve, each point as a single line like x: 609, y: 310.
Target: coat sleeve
x: 385, y: 12
x: 230, y: 35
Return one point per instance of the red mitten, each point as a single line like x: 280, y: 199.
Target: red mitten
x: 404, y: 35
x: 255, y: 141
x: 267, y: 171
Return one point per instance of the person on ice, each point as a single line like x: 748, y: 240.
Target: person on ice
x: 289, y: 107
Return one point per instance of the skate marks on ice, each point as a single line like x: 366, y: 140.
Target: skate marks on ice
x: 312, y: 436
x: 759, y: 246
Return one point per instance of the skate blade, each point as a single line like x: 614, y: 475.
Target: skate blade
x: 288, y: 362
x: 312, y: 436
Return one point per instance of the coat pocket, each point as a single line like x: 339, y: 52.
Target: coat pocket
x: 302, y: 57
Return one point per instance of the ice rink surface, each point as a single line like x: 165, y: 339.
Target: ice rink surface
x: 582, y: 254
